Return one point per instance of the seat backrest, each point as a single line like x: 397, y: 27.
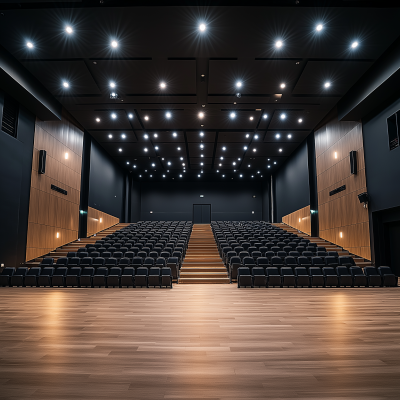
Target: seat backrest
x: 74, y: 271
x: 322, y: 254
x: 243, y: 271
x: 160, y: 262
x: 272, y: 271
x: 47, y: 261
x: 300, y: 271
x: 62, y: 261
x: 308, y: 254
x: 333, y: 254
x: 111, y: 261
x: 129, y: 254
x: 370, y: 271
x: 166, y: 271
x: 155, y: 271
x: 343, y: 260
x: 83, y: 254
x: 235, y: 260
x: 102, y: 271
x: 34, y: 271
x: 88, y: 271
x: 148, y: 261
x: 142, y: 271
x: 115, y: 271
x: 99, y: 261
x: 384, y: 270
x: 124, y: 261
x: 342, y: 270
x: 258, y: 271
x: 106, y: 254
x: 130, y: 271
x: 117, y: 254
x: 276, y: 261
x: 315, y: 271
x: 248, y: 260
x: 74, y: 261
x: 356, y: 271
x: 62, y: 271
x: 286, y: 271
x: 289, y: 260
x: 47, y: 271
x: 328, y: 271
x: 86, y: 261
x: 317, y: 261
x: 173, y: 260
x: 330, y: 260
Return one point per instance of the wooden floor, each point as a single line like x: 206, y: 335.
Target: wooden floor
x: 200, y: 342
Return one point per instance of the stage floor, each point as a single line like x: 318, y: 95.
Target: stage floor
x: 200, y: 342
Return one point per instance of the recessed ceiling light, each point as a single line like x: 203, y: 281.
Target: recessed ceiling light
x: 265, y: 116
x: 201, y: 115
x: 251, y: 118
x: 258, y: 172
x: 252, y: 176
x: 169, y: 163
x: 234, y: 163
x: 201, y: 155
x: 97, y: 119
x: 254, y: 150
x: 29, y: 45
x: 140, y: 176
x: 300, y: 120
x: 174, y: 134
x: 181, y: 158
x: 269, y: 159
x: 277, y: 135
x: 114, y: 44
x: 112, y: 84
x: 223, y: 176
x: 130, y: 116
x: 146, y: 118
x: 247, y: 136
x: 110, y: 136
x: 145, y: 150
x: 155, y: 135
x: 201, y: 134
x: 245, y: 147
x: 201, y: 163
x: 127, y: 162
x: 163, y: 176
x: 327, y: 84
x: 69, y: 29
x: 279, y: 44
x: 289, y: 136
x: 151, y: 176
x: 163, y: 85
x: 249, y: 166
x: 123, y: 136
x: 113, y: 115
x: 168, y: 115
x: 119, y: 149
x: 146, y: 136
x: 233, y: 115
x: 217, y: 170
x: 241, y: 175
x: 283, y: 116
x: 202, y: 146
x: 66, y: 84
x: 220, y: 165
x: 180, y: 176
x: 238, y: 159
x: 202, y: 27
x: 255, y: 136
x: 156, y: 148
x: 283, y: 85
x: 224, y: 148
x: 274, y: 162
x: 179, y: 149
x: 153, y: 165
x: 199, y: 175
x: 280, y: 150
x: 354, y: 45
x: 269, y: 166
x: 319, y: 27
x: 238, y: 84
x: 221, y: 158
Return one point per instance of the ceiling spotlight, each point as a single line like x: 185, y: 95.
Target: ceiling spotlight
x: 258, y: 172
x: 279, y: 44
x: 269, y: 166
x: 201, y: 163
x: 69, y: 30
x: 163, y: 85
x: 251, y: 118
x: 252, y: 176
x: 146, y: 136
x: 220, y: 165
x: 156, y: 148
x: 201, y: 155
x: 247, y: 136
x: 127, y: 162
x: 123, y: 136
x: 168, y: 115
x: 274, y: 162
x: 146, y: 117
x: 110, y: 136
x: 221, y: 158
x: 277, y: 135
x: 66, y: 84
x: 169, y: 163
x: 283, y: 85
x: 140, y: 176
x: 130, y: 116
x: 280, y: 150
x: 234, y: 163
x: 113, y: 115
x: 153, y: 165
x: 283, y: 116
x: 238, y: 159
x: 114, y: 44
x: 181, y: 158
x: 112, y: 84
x: 254, y: 150
x: 29, y: 45
x: 155, y: 135
x: 97, y: 119
x: 223, y: 176
x: 255, y: 136
x: 265, y: 116
x: 249, y: 166
x: 289, y: 136
x: 233, y: 115
x: 180, y: 176
x: 202, y: 146
x: 354, y: 45
x: 319, y: 27
x: 120, y: 150
x: 238, y: 84
x: 202, y: 27
x: 179, y: 149
x: 163, y: 176
x: 201, y: 115
x: 174, y: 134
x: 245, y: 148
x: 224, y: 148
x: 201, y: 134
x: 300, y: 120
x: 327, y: 84
x: 145, y: 150
x: 199, y: 175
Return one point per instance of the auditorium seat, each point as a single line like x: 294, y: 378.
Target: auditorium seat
x: 99, y: 278
x: 113, y: 277
x: 345, y: 278
x: 154, y: 277
x: 274, y: 277
x: 85, y: 279
x: 359, y: 279
x: 6, y: 275
x: 388, y: 278
x: 71, y: 254
x: 31, y: 277
x: 166, y: 277
x: 317, y: 262
x: 74, y: 262
x: 316, y: 277
x: 59, y: 275
x: 346, y: 261
x: 263, y: 262
x: 72, y: 278
x: 141, y: 276
x: 277, y: 262
x: 331, y: 261
x: 330, y: 275
x: 62, y: 262
x: 18, y: 278
x: 373, y: 276
x: 248, y: 262
x: 302, y: 277
x: 47, y: 261
x: 304, y: 262
x: 288, y: 278
x: 111, y: 262
x: 127, y: 277
x: 86, y: 262
x: 234, y: 264
x: 244, y: 278
x: 259, y: 278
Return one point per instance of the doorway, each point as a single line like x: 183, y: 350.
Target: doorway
x: 201, y: 213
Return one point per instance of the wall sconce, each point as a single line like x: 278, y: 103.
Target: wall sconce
x: 341, y: 234
x: 151, y: 212
x: 335, y: 154
x: 299, y: 219
x: 101, y: 220
x: 58, y: 235
x: 66, y: 156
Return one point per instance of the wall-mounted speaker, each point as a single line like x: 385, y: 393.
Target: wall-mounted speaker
x: 42, y: 161
x: 353, y: 162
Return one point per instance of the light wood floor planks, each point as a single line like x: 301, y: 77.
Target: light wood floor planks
x: 200, y: 342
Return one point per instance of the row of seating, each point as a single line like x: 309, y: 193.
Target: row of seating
x: 86, y: 277
x: 315, y: 277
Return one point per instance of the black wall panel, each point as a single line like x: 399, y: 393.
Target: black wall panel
x: 175, y: 200
x: 106, y: 183
x: 292, y: 190
x: 15, y: 178
x: 135, y: 202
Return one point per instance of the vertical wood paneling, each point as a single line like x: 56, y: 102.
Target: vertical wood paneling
x: 342, y: 219
x: 51, y: 212
x: 98, y: 221
x: 300, y: 220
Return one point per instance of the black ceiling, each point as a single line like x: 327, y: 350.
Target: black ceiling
x: 164, y: 44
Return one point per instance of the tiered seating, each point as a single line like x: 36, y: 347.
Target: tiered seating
x: 259, y: 254
x: 143, y: 254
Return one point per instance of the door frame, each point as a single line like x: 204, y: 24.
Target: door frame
x: 197, y: 204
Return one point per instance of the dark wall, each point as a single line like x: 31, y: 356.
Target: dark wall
x: 106, y: 183
x: 174, y: 200
x: 15, y: 178
x: 382, y: 165
x: 135, y: 202
x: 292, y: 190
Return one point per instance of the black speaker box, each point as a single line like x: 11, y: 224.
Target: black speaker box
x: 42, y: 161
x: 353, y: 162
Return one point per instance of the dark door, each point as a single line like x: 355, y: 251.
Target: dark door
x: 394, y: 240
x: 201, y: 213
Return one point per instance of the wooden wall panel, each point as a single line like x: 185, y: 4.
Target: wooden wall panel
x: 50, y: 212
x: 98, y: 221
x: 342, y: 219
x: 300, y: 220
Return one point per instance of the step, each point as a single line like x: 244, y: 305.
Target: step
x: 204, y: 268
x: 203, y: 280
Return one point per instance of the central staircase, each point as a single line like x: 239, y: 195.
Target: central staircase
x: 202, y: 262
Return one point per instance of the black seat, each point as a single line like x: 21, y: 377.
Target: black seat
x: 344, y: 276
x: 173, y: 264
x: 302, y: 277
x: 234, y: 264
x: 316, y: 277
x: 82, y: 254
x: 44, y: 279
x: 274, y: 278
x: 166, y: 277
x: 291, y: 262
x: 331, y: 262
x: 248, y: 262
x: 373, y: 276
x: 304, y: 262
x: 98, y: 262
x: 59, y: 275
x: 99, y: 278
x: 154, y: 277
x: 62, y: 261
x: 74, y: 262
x: 357, y: 274
x: 388, y: 278
x: 244, y: 277
x: 47, y: 261
x: 6, y: 275
x: 85, y: 279
x: 72, y: 278
x: 277, y: 262
x: 259, y: 278
x: 17, y: 279
x: 288, y: 278
x: 330, y: 275
x: 114, y: 276
x: 31, y: 278
x: 346, y: 261
x: 317, y: 262
x: 263, y: 262
x: 141, y: 276
x: 128, y: 277
x: 86, y: 262
x: 111, y: 262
